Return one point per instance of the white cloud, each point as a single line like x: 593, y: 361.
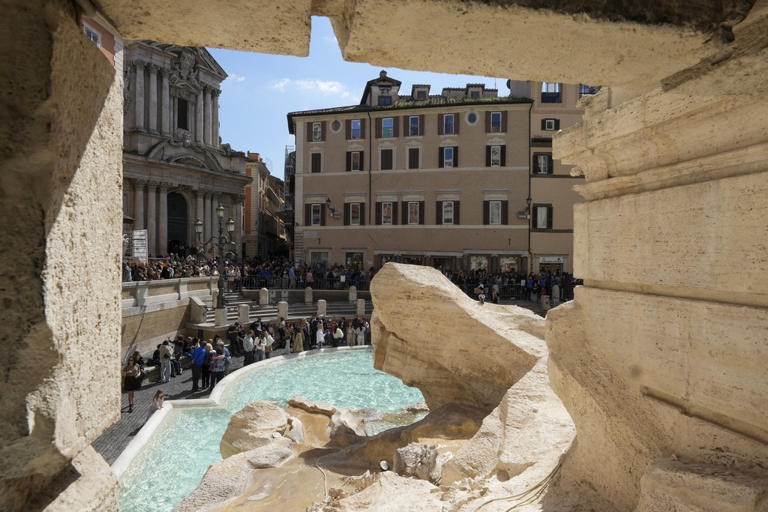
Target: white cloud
x: 324, y: 87
x: 236, y: 78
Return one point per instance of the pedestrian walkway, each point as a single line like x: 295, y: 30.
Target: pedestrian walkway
x: 112, y: 442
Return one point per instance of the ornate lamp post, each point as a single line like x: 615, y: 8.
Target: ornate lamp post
x: 222, y: 241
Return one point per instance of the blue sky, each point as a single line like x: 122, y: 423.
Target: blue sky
x: 262, y: 89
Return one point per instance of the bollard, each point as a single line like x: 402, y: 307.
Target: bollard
x: 263, y: 297
x: 243, y: 313
x: 360, y: 307
x: 221, y: 316
x: 308, y: 295
x: 352, y: 294
x: 282, y: 310
x: 321, y: 307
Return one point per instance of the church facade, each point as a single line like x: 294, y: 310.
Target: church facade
x: 176, y: 171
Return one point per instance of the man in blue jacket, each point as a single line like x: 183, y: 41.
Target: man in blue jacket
x: 198, y: 356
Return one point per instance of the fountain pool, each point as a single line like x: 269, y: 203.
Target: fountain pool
x: 186, y: 439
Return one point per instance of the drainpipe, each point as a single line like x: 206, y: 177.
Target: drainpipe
x: 371, y: 204
x: 528, y: 199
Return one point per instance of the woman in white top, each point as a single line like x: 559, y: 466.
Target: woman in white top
x: 360, y: 335
x: 319, y: 336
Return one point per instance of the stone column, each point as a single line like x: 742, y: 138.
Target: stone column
x: 199, y: 118
x: 166, y: 110
x: 153, y: 98
x: 237, y: 206
x: 208, y: 122
x: 263, y: 297
x: 151, y: 218
x: 162, y: 220
x: 243, y: 313
x: 352, y: 294
x: 282, y: 310
x: 308, y: 295
x: 321, y: 307
x: 207, y: 226
x: 200, y: 208
x: 360, y: 310
x: 139, y: 95
x: 138, y: 204
x: 214, y: 219
x: 215, y: 119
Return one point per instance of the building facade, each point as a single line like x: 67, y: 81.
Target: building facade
x: 443, y: 180
x: 176, y: 172
x: 265, y: 230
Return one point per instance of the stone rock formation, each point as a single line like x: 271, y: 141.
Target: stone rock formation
x: 346, y: 428
x: 301, y: 402
x: 472, y: 354
x: 271, y: 455
x: 417, y: 460
x: 253, y: 426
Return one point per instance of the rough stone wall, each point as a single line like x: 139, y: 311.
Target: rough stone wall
x: 61, y: 205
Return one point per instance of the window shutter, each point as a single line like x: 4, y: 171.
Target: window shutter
x: 534, y: 216
x: 504, y: 121
x: 349, y: 161
x: 309, y: 131
x: 456, y: 123
x: 550, y: 166
x: 362, y: 161
x: 486, y: 212
x: 322, y: 215
x: 456, y: 217
x: 438, y: 212
x: 394, y: 213
x: 406, y: 125
x: 396, y: 126
x: 404, y: 216
x: 378, y: 128
x: 557, y: 124
x: 322, y: 130
x: 455, y: 156
x: 362, y: 214
x: 440, y: 123
x: 503, y: 156
x: 543, y: 124
x: 421, y: 212
x: 378, y: 213
x: 487, y: 122
x: 307, y: 214
x: 440, y: 158
x: 504, y: 213
x: 348, y: 128
x: 346, y: 214
x: 549, y: 217
x: 421, y: 124
x: 487, y: 156
x: 362, y: 128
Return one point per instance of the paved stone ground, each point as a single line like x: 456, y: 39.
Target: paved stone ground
x: 112, y: 443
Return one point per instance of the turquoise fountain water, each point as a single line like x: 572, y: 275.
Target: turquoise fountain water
x: 174, y: 461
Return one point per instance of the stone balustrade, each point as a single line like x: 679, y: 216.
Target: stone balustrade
x: 140, y: 297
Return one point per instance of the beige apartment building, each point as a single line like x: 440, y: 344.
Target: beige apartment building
x: 437, y: 179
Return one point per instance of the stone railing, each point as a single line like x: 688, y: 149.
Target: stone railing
x: 145, y: 296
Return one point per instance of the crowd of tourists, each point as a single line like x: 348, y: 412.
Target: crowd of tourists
x: 175, y: 266
x: 514, y: 285
x: 210, y: 360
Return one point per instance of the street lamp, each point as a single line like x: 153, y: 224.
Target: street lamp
x: 224, y: 239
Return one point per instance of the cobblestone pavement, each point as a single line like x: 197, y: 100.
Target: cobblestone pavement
x: 112, y: 443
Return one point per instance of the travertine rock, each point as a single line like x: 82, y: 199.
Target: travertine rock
x: 393, y: 493
x: 346, y: 428
x: 271, y: 455
x: 253, y: 426
x: 223, y: 481
x: 301, y: 402
x: 432, y: 336
x: 417, y: 460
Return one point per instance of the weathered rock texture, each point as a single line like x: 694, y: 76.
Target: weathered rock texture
x: 60, y: 205
x: 429, y: 334
x: 253, y: 426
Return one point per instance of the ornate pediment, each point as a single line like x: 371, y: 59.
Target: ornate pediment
x: 184, y: 152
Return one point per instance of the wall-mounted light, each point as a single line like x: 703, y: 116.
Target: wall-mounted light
x: 331, y: 209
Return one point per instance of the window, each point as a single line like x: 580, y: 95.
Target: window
x: 92, y: 34
x: 354, y: 214
x: 448, y: 157
x: 494, y: 212
x: 356, y: 129
x: 550, y: 92
x: 495, y: 157
x: 413, y: 212
x: 354, y: 161
x: 550, y: 124
x: 413, y: 158
x: 388, y: 127
x: 386, y: 160
x: 413, y: 126
x: 478, y: 262
x: 317, y: 159
x: 542, y: 163
x: 448, y: 124
x: 386, y: 213
x: 317, y: 132
x: 317, y: 214
x: 182, y: 112
x: 355, y: 260
x: 587, y: 90
x: 447, y: 212
x: 474, y: 95
x: 495, y: 122
x: 385, y: 100
x: 421, y: 94
x: 542, y: 216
